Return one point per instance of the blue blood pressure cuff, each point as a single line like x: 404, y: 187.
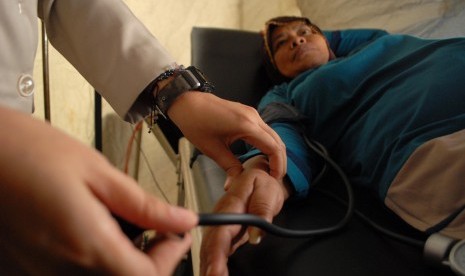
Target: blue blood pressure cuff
x: 277, y: 112
x: 289, y: 123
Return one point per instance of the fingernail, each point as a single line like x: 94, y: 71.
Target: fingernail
x: 255, y: 236
x: 185, y: 214
x: 209, y: 270
x: 227, y: 184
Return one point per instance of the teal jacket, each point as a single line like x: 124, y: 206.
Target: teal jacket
x: 383, y: 97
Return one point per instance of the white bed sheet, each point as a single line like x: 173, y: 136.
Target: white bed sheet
x: 425, y: 18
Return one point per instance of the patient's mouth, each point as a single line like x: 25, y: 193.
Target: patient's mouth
x: 300, y: 51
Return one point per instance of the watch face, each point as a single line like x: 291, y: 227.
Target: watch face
x: 191, y: 79
x: 186, y: 80
x: 457, y: 258
x: 203, y: 84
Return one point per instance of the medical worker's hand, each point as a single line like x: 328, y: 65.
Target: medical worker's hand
x: 253, y: 191
x: 212, y: 124
x: 57, y: 196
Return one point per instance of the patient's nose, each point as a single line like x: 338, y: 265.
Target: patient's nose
x: 297, y: 40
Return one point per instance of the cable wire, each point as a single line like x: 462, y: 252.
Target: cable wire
x: 363, y: 217
x: 127, y: 157
x: 399, y: 237
x: 253, y: 220
x: 136, y: 129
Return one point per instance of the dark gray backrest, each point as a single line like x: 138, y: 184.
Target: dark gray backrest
x: 232, y: 61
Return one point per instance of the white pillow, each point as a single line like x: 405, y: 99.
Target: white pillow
x: 426, y: 18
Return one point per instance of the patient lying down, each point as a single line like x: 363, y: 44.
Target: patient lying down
x: 388, y: 108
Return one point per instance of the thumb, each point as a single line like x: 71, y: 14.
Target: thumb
x: 264, y: 204
x: 125, y: 198
x: 255, y: 235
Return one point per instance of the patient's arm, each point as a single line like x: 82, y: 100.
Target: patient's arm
x: 253, y: 191
x: 352, y: 39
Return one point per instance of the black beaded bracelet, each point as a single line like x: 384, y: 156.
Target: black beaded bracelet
x: 152, y: 89
x: 166, y: 74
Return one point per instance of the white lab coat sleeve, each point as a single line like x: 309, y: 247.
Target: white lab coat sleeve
x: 108, y: 45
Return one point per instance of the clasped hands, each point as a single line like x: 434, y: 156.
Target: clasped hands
x: 253, y: 191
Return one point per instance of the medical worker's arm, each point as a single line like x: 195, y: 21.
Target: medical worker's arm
x: 120, y: 58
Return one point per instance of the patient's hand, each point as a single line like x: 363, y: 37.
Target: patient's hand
x: 253, y: 191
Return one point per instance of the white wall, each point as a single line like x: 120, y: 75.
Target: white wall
x: 254, y: 13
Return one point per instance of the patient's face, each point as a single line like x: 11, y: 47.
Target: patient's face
x: 297, y: 48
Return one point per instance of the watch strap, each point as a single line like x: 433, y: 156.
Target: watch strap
x: 189, y: 79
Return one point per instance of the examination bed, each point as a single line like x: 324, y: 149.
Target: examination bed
x: 232, y: 61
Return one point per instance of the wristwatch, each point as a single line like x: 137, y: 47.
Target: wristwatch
x: 186, y: 79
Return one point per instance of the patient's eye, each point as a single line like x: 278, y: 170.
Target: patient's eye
x: 305, y: 31
x: 277, y: 44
